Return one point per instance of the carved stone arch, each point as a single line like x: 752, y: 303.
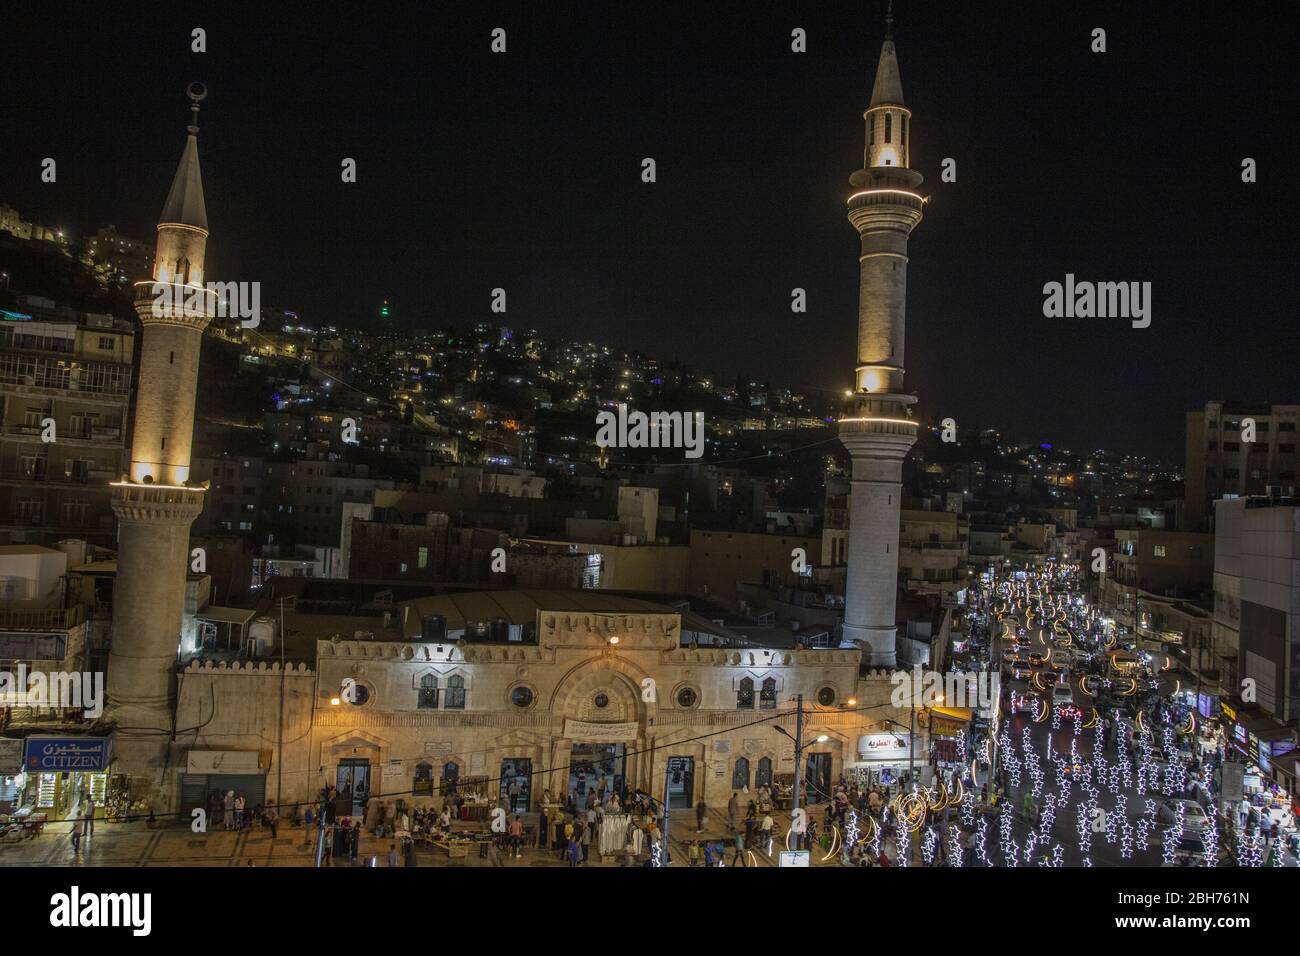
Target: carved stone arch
x: 584, y: 677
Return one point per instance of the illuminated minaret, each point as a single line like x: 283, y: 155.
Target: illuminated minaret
x: 884, y: 208
x: 154, y: 504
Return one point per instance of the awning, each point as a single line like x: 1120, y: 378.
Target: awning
x: 216, y: 614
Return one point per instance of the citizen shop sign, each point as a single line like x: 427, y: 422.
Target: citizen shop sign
x: 882, y: 747
x: 56, y: 754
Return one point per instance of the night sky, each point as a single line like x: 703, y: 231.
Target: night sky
x: 523, y: 171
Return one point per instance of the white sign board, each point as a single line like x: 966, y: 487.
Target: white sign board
x: 796, y: 858
x: 598, y: 732
x: 882, y: 747
x: 221, y: 761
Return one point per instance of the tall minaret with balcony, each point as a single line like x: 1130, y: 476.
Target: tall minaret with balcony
x: 155, y: 504
x: 884, y: 208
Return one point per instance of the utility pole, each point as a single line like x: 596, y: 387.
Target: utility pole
x: 798, y: 766
x: 911, y: 743
x: 668, y: 776
x: 279, y: 733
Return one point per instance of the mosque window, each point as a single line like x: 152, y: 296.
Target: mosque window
x: 740, y: 776
x: 889, y: 127
x: 745, y: 694
x: 428, y: 692
x: 455, y: 693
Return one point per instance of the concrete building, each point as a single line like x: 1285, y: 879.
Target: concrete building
x: 884, y: 209
x: 1257, y: 599
x: 932, y: 552
x: 156, y: 503
x: 65, y: 384
x: 117, y: 258
x: 721, y: 561
x: 233, y: 503
x: 1222, y: 461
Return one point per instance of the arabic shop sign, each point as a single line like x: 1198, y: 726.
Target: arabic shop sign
x: 55, y: 754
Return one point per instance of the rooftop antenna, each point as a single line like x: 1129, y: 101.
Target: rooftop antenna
x: 197, y: 92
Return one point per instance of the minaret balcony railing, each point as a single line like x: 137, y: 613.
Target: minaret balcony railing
x: 172, y: 300
x: 886, y: 196
x: 173, y: 502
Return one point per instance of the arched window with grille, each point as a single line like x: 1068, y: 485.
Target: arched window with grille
x: 740, y: 776
x: 428, y: 699
x: 423, y: 779
x: 745, y: 694
x: 455, y: 693
x: 763, y: 776
x: 450, y: 775
x: 767, y: 697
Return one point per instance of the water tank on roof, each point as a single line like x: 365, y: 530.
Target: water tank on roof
x: 261, y: 636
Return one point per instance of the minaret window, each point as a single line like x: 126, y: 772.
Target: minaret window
x: 871, y: 131
x: 903, y: 130
x: 889, y: 127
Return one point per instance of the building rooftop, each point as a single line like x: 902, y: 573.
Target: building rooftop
x: 520, y: 607
x: 17, y: 549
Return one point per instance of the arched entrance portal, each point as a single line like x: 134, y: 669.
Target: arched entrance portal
x: 603, y: 719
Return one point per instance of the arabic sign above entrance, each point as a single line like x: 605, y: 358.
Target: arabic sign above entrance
x: 600, y: 733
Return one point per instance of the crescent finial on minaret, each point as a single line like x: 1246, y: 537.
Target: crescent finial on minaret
x: 196, y: 91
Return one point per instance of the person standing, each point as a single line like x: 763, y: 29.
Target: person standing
x: 239, y: 810
x: 701, y: 809
x: 354, y: 841
x: 739, y: 853
x: 571, y: 852
x: 586, y: 838
x: 327, y: 847
x: 76, y: 838
x: 392, y: 854
x: 733, y: 811
x: 228, y: 806
x: 767, y: 833
x: 516, y: 835
x: 89, y: 820
x: 513, y: 791
x: 273, y: 820
x: 543, y: 829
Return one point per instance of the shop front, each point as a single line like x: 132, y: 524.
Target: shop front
x: 210, y: 774
x: 883, y: 759
x: 63, y: 777
x: 950, y: 737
